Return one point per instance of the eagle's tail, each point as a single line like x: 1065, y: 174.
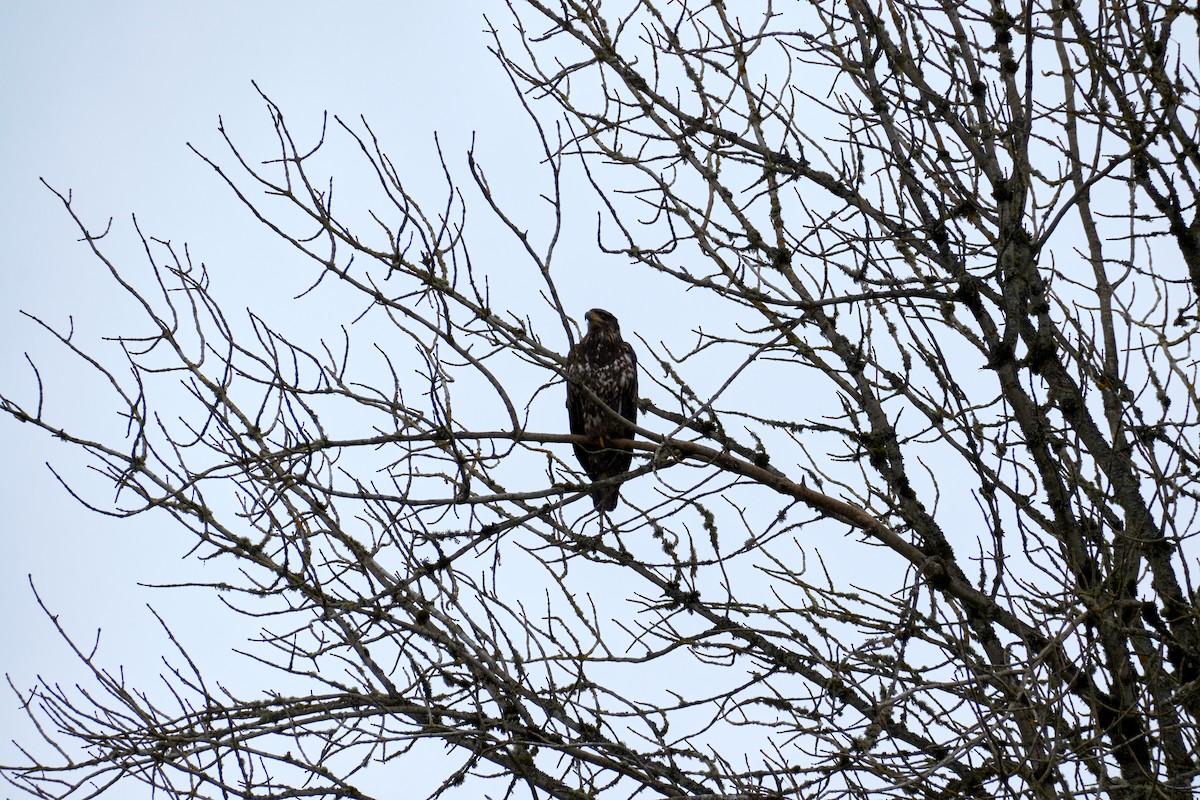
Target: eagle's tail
x: 605, y: 499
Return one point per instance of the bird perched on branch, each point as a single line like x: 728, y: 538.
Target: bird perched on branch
x: 604, y: 363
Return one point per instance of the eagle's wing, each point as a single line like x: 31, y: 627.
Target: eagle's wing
x: 629, y: 390
x: 575, y: 411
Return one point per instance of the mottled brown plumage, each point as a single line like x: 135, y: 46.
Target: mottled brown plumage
x: 606, y: 364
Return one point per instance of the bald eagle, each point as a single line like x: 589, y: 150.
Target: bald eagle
x: 606, y: 364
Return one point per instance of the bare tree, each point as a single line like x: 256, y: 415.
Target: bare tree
x: 954, y: 255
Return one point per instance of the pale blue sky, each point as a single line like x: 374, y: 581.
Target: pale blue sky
x: 102, y: 99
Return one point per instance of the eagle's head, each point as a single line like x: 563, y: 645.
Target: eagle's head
x: 602, y: 323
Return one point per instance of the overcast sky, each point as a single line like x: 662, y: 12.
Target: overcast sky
x: 102, y: 99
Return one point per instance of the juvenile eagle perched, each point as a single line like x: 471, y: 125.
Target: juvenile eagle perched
x: 606, y: 364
